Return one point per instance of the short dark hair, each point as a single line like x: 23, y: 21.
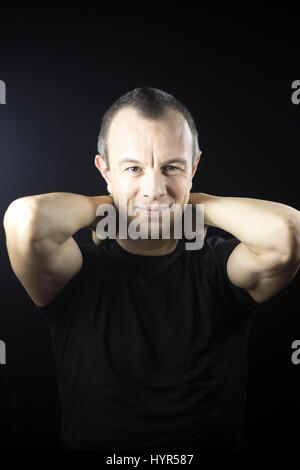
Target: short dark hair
x: 150, y: 103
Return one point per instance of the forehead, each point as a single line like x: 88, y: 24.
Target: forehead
x: 128, y: 128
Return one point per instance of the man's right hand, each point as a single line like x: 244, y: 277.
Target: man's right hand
x: 102, y: 200
x: 95, y: 238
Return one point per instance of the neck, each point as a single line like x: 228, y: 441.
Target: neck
x: 148, y: 246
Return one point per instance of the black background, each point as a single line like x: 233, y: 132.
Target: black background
x: 63, y: 66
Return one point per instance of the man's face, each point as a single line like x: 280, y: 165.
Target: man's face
x: 150, y: 162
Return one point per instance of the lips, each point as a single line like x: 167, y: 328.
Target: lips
x: 154, y: 208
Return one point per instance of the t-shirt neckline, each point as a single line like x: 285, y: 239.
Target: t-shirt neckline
x: 133, y: 257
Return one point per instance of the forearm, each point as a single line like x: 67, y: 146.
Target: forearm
x: 60, y: 215
x: 259, y: 224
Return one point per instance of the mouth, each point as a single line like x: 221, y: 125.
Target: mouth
x: 154, y: 209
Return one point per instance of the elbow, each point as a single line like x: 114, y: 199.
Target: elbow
x: 291, y: 240
x: 295, y: 227
x: 20, y: 216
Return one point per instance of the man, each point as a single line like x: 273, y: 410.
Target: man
x: 150, y: 339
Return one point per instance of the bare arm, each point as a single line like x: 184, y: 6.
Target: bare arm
x: 268, y: 257
x: 42, y: 251
x: 60, y: 215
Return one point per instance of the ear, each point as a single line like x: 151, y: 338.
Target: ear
x: 195, y: 168
x: 195, y: 165
x: 100, y: 163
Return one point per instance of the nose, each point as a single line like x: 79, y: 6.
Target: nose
x: 153, y: 184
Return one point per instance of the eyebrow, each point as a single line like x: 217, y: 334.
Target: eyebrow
x: 173, y: 160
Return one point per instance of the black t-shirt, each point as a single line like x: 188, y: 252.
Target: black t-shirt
x: 151, y: 351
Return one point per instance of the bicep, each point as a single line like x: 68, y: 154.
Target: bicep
x: 262, y: 276
x: 42, y: 266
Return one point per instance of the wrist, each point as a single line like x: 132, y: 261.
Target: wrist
x: 205, y: 200
x: 96, y: 201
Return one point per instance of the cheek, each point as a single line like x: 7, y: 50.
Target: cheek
x: 181, y: 186
x: 122, y: 188
x: 120, y: 184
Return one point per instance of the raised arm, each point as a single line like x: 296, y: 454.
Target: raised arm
x: 39, y: 237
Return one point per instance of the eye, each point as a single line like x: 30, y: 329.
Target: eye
x: 131, y: 168
x: 173, y: 168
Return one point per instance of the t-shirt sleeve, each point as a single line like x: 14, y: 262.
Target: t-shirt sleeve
x: 58, y: 307
x: 222, y: 249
